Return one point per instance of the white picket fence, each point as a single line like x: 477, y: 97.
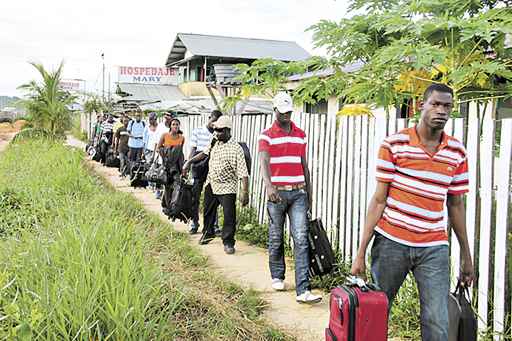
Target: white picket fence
x: 342, y: 156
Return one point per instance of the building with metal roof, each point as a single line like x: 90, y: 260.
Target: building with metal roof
x: 186, y: 46
x: 196, y: 54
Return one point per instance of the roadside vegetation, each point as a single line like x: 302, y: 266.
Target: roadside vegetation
x: 79, y: 260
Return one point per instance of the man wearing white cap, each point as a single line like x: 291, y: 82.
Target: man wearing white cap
x: 226, y: 165
x: 282, y: 155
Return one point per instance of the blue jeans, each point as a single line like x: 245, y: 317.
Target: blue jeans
x: 392, y: 261
x: 295, y: 205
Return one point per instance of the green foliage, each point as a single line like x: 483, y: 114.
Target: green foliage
x: 46, y: 103
x: 94, y: 105
x: 405, y: 315
x: 82, y: 261
x: 399, y: 48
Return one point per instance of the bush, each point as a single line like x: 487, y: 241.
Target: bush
x: 81, y: 261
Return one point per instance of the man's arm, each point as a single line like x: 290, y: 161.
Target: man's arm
x: 457, y: 216
x: 192, y: 152
x: 375, y: 210
x: 307, y: 178
x: 199, y: 157
x: 244, y: 199
x: 272, y: 193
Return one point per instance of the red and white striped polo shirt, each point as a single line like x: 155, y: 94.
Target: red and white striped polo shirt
x: 419, y: 183
x: 286, y: 151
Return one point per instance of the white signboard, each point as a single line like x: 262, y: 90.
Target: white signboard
x: 148, y: 75
x: 73, y: 85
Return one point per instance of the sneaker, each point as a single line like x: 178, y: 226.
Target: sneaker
x: 218, y: 232
x: 158, y: 194
x: 277, y: 284
x: 206, y: 238
x: 229, y: 249
x: 308, y: 298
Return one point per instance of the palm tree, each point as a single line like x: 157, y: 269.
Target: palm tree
x: 47, y: 104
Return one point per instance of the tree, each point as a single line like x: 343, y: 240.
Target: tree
x: 47, y: 104
x: 402, y: 46
x: 93, y: 105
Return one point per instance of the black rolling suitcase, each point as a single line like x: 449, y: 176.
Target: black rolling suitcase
x: 321, y: 256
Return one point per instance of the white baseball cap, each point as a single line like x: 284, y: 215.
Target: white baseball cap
x: 223, y: 122
x: 283, y: 102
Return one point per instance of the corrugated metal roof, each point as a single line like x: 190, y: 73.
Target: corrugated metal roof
x: 325, y: 72
x: 149, y: 92
x: 205, y: 105
x: 234, y: 47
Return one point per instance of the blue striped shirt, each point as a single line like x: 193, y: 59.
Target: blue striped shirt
x: 200, y: 138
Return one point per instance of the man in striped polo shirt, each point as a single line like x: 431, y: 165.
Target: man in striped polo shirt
x: 418, y: 170
x: 282, y: 155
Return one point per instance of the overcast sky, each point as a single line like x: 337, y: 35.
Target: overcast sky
x: 137, y: 33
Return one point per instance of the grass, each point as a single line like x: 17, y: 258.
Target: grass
x: 79, y: 260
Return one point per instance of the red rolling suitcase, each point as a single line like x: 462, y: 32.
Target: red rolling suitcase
x: 358, y: 313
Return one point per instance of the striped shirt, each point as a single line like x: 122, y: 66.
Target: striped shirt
x: 107, y: 126
x: 200, y: 139
x: 419, y: 183
x: 286, y: 151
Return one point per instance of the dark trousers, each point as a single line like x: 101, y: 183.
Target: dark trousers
x: 135, y: 154
x: 228, y: 203
x: 197, y: 188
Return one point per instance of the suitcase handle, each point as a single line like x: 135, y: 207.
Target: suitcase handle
x: 361, y: 284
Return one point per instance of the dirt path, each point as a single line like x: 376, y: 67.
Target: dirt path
x: 248, y: 267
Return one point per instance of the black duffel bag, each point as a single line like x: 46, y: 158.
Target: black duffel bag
x: 463, y: 320
x: 180, y: 204
x: 157, y: 174
x: 138, y: 171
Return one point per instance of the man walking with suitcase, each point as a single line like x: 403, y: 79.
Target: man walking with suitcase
x: 417, y: 170
x: 282, y: 155
x: 226, y: 165
x: 199, y: 141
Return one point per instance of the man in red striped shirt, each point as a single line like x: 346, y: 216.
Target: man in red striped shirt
x: 418, y: 170
x: 282, y: 154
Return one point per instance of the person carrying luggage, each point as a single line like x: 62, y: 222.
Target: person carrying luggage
x: 170, y: 148
x: 106, y: 137
x: 121, y: 146
x: 135, y: 142
x: 418, y: 170
x: 199, y: 141
x: 151, y: 139
x: 282, y: 156
x: 225, y: 166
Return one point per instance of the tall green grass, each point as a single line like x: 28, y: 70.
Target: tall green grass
x: 81, y: 261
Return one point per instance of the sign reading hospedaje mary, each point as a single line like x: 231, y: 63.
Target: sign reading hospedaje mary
x: 148, y: 75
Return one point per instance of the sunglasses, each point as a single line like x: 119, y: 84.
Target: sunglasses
x: 218, y: 130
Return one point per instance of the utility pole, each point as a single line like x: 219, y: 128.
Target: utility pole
x: 109, y: 87
x: 103, y: 76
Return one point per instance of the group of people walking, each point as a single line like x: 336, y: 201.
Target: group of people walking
x: 418, y: 170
